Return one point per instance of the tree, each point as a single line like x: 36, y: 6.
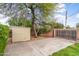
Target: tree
x: 23, y: 9
x: 49, y: 26
x: 77, y: 25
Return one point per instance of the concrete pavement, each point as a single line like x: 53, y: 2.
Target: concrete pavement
x: 43, y: 47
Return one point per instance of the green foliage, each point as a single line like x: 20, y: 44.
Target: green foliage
x: 20, y: 22
x: 4, y: 33
x: 58, y: 25
x: 46, y: 8
x: 44, y: 29
x: 47, y: 27
x: 55, y: 24
x: 68, y: 27
x: 22, y: 9
x: 77, y: 25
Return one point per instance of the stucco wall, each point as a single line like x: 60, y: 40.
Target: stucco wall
x: 20, y: 34
x: 48, y: 34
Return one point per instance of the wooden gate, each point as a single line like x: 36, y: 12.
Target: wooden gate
x: 66, y: 33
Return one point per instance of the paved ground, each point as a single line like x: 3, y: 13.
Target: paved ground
x: 43, y: 47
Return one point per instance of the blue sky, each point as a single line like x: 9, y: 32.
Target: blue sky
x: 73, y: 13
x: 72, y: 8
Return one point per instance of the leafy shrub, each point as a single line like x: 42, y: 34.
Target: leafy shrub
x: 58, y: 25
x: 4, y: 33
x: 20, y: 22
x: 77, y: 25
x: 44, y: 29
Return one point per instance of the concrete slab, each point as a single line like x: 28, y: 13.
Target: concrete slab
x: 43, y: 47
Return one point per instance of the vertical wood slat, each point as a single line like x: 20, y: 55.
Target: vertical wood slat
x: 66, y: 33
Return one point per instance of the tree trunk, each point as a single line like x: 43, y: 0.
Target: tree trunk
x: 33, y: 22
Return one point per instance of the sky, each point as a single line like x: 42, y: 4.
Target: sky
x: 3, y: 20
x: 72, y: 14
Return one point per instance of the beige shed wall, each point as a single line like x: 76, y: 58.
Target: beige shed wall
x: 20, y: 34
